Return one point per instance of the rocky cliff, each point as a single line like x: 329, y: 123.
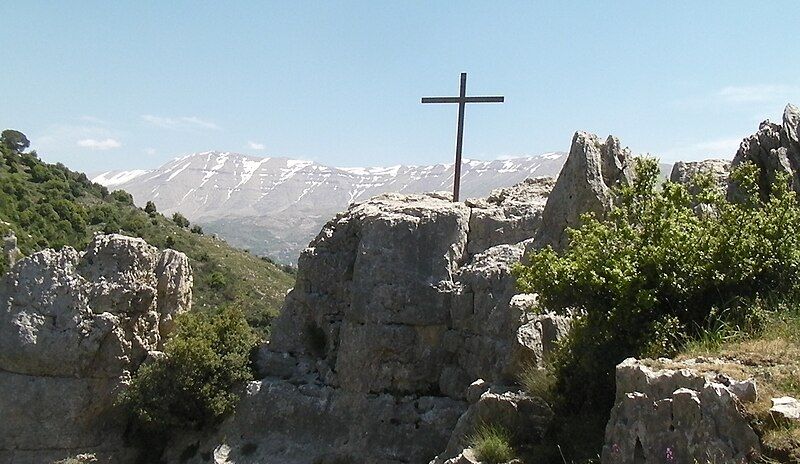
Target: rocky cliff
x: 404, y: 329
x: 73, y: 326
x: 775, y: 149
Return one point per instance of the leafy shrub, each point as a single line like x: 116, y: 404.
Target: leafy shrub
x: 197, y: 230
x: 192, y: 384
x: 180, y: 220
x: 491, y: 444
x: 661, y: 267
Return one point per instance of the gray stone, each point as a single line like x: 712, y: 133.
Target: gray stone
x: 685, y: 411
x: 685, y: 172
x: 527, y: 417
x: 584, y: 185
x: 277, y: 421
x: 508, y: 215
x: 391, y: 320
x: 785, y: 408
x: 775, y: 150
x: 73, y: 326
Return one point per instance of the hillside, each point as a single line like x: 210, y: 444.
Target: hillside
x: 47, y: 205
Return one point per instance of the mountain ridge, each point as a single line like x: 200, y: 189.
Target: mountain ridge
x: 275, y: 205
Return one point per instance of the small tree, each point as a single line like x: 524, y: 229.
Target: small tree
x: 150, y: 208
x: 15, y: 140
x: 192, y: 385
x: 180, y: 220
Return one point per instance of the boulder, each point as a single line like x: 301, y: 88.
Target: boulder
x: 584, y: 185
x: 785, y: 408
x: 525, y: 417
x: 679, y: 414
x: 73, y: 326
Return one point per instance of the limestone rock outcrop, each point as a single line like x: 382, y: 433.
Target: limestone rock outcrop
x: 508, y: 215
x: 679, y: 413
x: 684, y: 172
x: 390, y: 321
x: 584, y: 185
x: 775, y: 149
x: 73, y: 325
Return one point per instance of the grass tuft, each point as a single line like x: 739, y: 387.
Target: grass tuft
x: 538, y: 382
x: 492, y: 444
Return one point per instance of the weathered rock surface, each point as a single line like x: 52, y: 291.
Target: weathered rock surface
x: 775, y: 149
x: 684, y: 172
x: 73, y: 325
x: 391, y: 319
x: 584, y: 185
x: 524, y: 416
x: 508, y: 215
x: 678, y: 415
x: 785, y: 408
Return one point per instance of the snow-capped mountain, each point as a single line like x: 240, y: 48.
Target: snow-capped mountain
x: 275, y: 206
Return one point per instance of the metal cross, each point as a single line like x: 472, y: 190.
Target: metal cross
x: 462, y: 101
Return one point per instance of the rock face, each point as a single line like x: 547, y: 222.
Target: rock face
x: 584, y: 185
x: 679, y: 415
x: 73, y: 325
x: 401, y: 303
x: 508, y: 216
x: 775, y: 149
x: 393, y: 316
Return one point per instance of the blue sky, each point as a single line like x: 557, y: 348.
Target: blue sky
x: 120, y: 85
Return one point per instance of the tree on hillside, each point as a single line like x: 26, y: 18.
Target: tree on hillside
x: 180, y: 220
x: 15, y: 140
x: 150, y: 207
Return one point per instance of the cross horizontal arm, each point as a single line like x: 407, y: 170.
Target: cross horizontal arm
x: 465, y: 99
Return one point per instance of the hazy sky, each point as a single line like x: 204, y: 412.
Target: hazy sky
x: 109, y: 85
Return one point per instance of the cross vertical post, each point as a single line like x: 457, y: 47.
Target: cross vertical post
x: 462, y: 99
x: 462, y: 105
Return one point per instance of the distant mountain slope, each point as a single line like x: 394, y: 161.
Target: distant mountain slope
x: 48, y: 205
x: 275, y: 206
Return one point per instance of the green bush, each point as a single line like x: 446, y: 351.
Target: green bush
x: 180, y: 220
x: 492, y: 444
x: 661, y: 267
x: 192, y: 384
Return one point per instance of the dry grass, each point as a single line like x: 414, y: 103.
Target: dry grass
x: 772, y: 358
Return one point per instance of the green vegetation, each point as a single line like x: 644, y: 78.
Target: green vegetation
x: 538, y: 382
x: 669, y: 266
x: 48, y: 205
x: 191, y: 385
x: 492, y: 444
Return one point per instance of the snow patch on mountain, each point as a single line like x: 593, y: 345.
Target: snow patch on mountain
x: 114, y: 178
